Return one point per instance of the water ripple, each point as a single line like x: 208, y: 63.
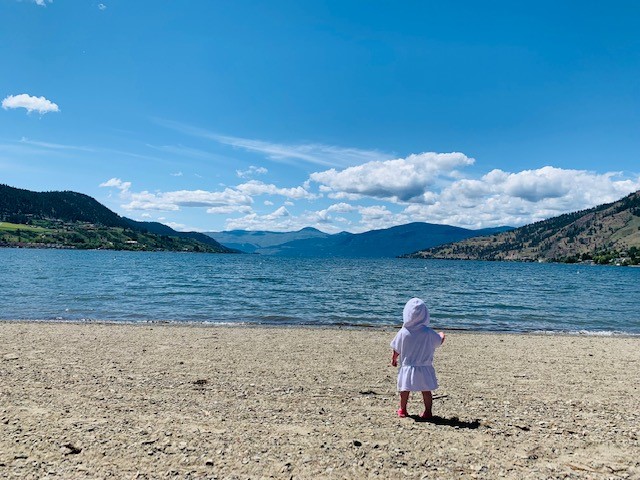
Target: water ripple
x: 483, y: 296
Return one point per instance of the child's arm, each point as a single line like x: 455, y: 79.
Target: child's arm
x: 394, y: 358
x: 442, y: 337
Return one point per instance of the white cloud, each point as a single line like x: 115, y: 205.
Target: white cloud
x: 178, y: 227
x: 102, y: 6
x: 55, y: 146
x: 251, y: 171
x: 228, y: 209
x: 505, y: 198
x: 117, y: 183
x: 42, y: 3
x: 316, y: 153
x: 255, y: 187
x: 38, y: 104
x: 401, y: 180
x: 268, y: 203
x: 379, y: 216
x: 172, y: 201
x: 325, y: 216
x: 177, y: 174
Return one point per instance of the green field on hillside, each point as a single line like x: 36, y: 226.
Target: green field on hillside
x: 12, y: 227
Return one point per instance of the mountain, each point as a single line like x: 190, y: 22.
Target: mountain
x: 18, y: 205
x: 604, y: 234
x: 157, y: 228
x: 388, y: 242
x: 252, y: 241
x: 74, y: 220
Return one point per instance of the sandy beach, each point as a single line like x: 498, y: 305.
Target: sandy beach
x: 167, y: 401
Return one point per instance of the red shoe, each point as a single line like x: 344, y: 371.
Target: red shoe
x: 402, y: 413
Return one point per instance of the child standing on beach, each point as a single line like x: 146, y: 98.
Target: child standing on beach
x: 415, y: 344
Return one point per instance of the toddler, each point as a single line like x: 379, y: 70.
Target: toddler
x: 415, y: 344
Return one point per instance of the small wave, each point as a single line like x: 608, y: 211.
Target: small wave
x: 587, y: 333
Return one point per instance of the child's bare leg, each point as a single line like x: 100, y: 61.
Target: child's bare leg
x: 428, y: 402
x: 404, y: 398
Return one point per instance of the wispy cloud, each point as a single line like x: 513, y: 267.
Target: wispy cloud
x: 313, y: 153
x: 29, y: 103
x: 181, y: 150
x: 41, y: 3
x: 56, y: 146
x: 59, y: 147
x: 251, y: 171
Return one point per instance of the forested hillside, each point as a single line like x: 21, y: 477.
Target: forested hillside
x: 75, y: 220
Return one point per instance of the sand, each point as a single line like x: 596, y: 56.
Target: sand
x: 165, y: 401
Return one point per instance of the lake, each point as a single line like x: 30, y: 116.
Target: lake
x: 69, y: 285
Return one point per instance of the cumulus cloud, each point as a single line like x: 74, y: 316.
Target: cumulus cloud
x: 228, y: 209
x: 172, y: 201
x: 278, y: 220
x: 251, y: 171
x: 42, y: 3
x: 325, y: 216
x: 116, y: 183
x: 255, y: 187
x: 29, y: 103
x: 281, y: 220
x: 401, y: 180
x: 518, y: 198
x: 102, y: 6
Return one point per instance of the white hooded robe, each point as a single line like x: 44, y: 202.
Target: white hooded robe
x: 416, y: 344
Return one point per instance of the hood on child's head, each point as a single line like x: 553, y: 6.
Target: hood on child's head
x: 415, y: 313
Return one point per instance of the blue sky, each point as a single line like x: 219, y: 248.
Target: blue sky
x: 342, y: 115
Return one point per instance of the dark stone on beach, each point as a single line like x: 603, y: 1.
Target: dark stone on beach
x: 357, y: 443
x: 71, y: 449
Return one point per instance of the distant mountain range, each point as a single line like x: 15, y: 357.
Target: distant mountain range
x: 608, y: 233
x: 75, y: 220
x: 310, y: 242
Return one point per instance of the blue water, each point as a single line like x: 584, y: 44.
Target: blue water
x: 480, y: 296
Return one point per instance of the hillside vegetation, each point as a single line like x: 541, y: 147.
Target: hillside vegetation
x: 74, y: 220
x: 608, y: 233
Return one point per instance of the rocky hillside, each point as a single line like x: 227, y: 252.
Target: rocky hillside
x: 606, y: 233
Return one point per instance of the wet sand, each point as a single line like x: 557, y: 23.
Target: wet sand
x: 165, y: 401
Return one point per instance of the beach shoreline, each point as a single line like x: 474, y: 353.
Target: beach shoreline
x: 156, y: 400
